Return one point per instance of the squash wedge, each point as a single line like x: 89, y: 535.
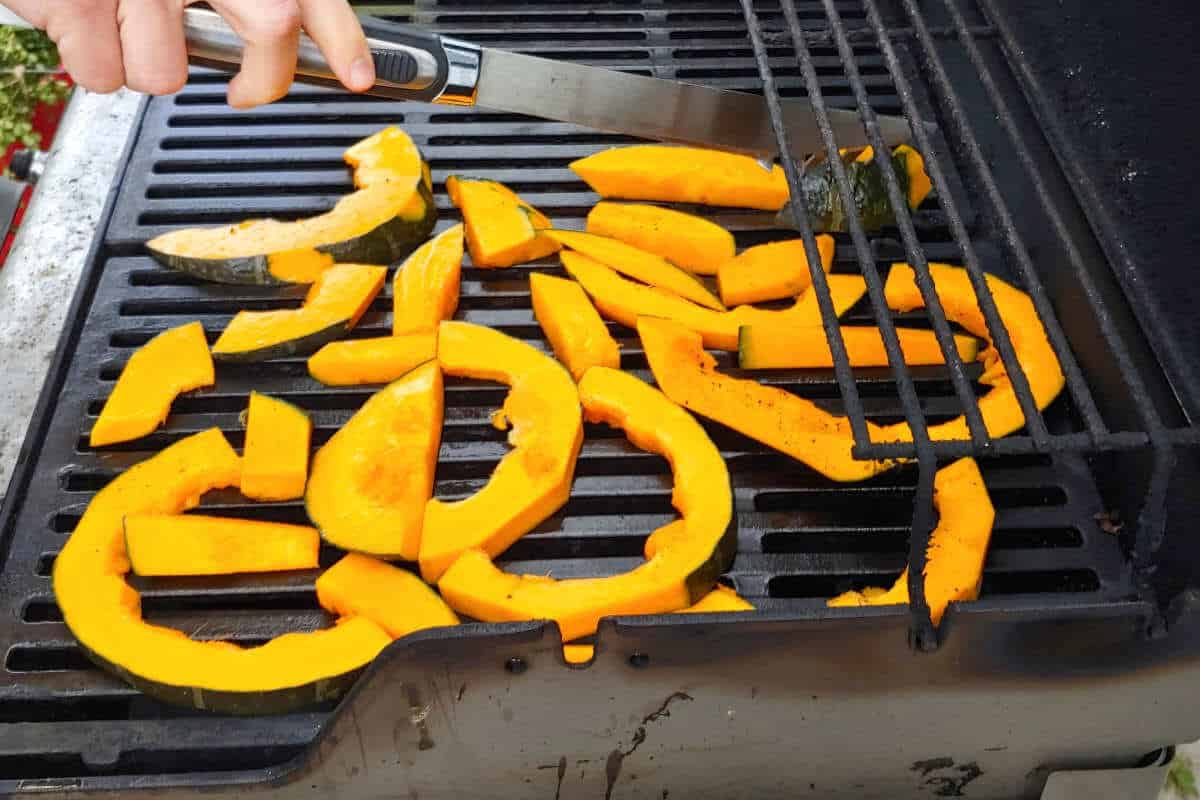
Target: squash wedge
x: 805, y: 347
x: 579, y: 337
x: 957, y: 546
x: 104, y: 612
x: 172, y: 362
x: 391, y: 213
x: 425, y: 289
x: 533, y: 480
x: 381, y: 359
x: 639, y: 265
x: 370, y: 482
x: 777, y: 418
x: 770, y: 271
x: 683, y: 175
x: 275, y: 461
x: 682, y: 572
x: 687, y: 241
x: 335, y: 302
x: 393, y: 598
x: 502, y: 229
x: 624, y: 301
x: 174, y: 544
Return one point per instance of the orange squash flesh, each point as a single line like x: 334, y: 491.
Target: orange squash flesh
x: 394, y: 599
x: 382, y: 359
x: 302, y: 265
x: 371, y: 481
x: 275, y: 461
x: 425, y: 289
x: 387, y: 156
x: 682, y: 572
x: 805, y: 347
x: 197, y: 545
x: 533, y: 480
x: 172, y: 362
x: 957, y: 546
x: 579, y: 337
x: 687, y: 241
x: 104, y: 612
x: 639, y: 265
x: 624, y: 301
x: 502, y: 229
x: 334, y: 304
x: 683, y: 175
x: 770, y: 271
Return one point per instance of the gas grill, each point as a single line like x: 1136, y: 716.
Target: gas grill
x: 1081, y: 653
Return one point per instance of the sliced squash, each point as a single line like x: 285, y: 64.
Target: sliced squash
x: 721, y: 598
x: 172, y: 362
x: 502, y: 229
x: 579, y: 337
x: 957, y: 546
x: 104, y: 612
x: 804, y: 347
x: 533, y: 480
x: 578, y: 653
x: 770, y: 271
x: 777, y: 418
x: 171, y: 544
x: 639, y: 265
x: 425, y: 289
x: 378, y: 360
x: 681, y: 573
x: 394, y: 599
x: 390, y: 214
x: 275, y: 462
x: 333, y: 306
x: 370, y: 482
x: 683, y: 175
x: 688, y: 241
x: 624, y: 301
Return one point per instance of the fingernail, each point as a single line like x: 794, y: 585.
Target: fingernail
x: 362, y: 73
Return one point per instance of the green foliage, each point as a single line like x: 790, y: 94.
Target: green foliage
x: 1180, y: 778
x: 29, y: 75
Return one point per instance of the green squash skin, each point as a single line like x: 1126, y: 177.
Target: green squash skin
x: 703, y: 579
x: 823, y: 199
x: 304, y: 346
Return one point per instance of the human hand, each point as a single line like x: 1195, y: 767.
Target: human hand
x: 107, y: 44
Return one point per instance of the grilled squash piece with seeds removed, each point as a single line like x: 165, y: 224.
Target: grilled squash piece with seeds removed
x: 395, y: 599
x: 579, y: 337
x: 425, y: 289
x: 172, y: 362
x: 770, y: 271
x: 382, y: 359
x: 391, y: 213
x: 174, y: 544
x: 371, y: 481
x: 805, y: 347
x: 104, y: 612
x: 533, y: 480
x: 275, y: 462
x: 685, y: 566
x: 690, y: 242
x: 335, y: 302
x: 502, y: 229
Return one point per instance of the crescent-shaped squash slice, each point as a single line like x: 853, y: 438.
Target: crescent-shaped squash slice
x: 683, y: 175
x: 174, y: 544
x: 682, y: 571
x: 172, y: 362
x: 638, y: 264
x: 805, y: 347
x: 533, y: 480
x: 390, y: 214
x: 579, y: 337
x: 624, y: 301
x: 688, y: 241
x: 770, y: 271
x: 957, y: 546
x: 382, y: 359
x: 777, y: 418
x: 370, y: 482
x: 394, y: 599
x: 502, y: 229
x: 275, y: 459
x: 335, y: 301
x: 104, y: 612
x: 425, y: 289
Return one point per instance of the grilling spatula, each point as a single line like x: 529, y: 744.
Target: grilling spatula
x: 414, y: 64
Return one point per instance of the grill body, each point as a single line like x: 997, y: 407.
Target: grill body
x: 1060, y: 665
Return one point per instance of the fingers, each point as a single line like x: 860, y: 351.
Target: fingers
x: 154, y: 51
x: 87, y: 36
x: 270, y: 31
x: 333, y: 25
